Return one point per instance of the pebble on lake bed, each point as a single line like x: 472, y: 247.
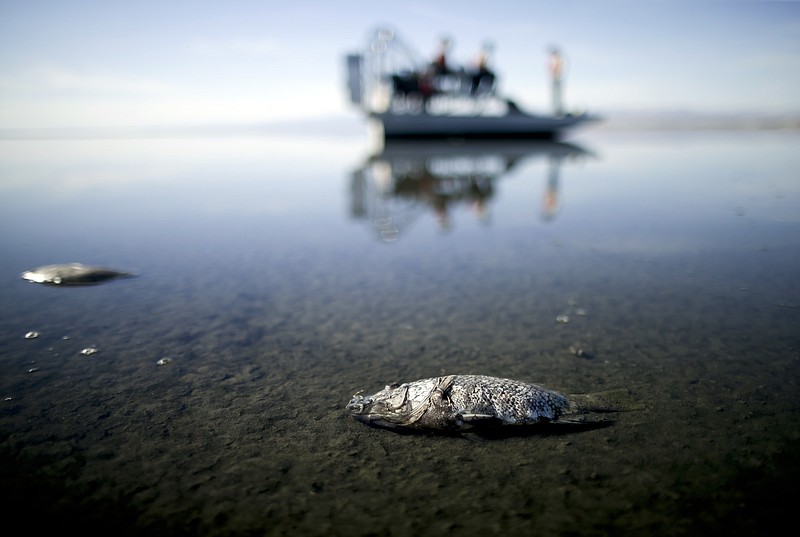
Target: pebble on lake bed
x: 580, y: 353
x: 164, y: 361
x: 88, y: 351
x: 32, y: 335
x: 562, y: 319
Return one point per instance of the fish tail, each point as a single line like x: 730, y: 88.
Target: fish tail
x: 619, y: 400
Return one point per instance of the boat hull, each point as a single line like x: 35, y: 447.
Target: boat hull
x: 420, y: 126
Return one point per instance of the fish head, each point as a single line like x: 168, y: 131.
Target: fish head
x: 390, y: 407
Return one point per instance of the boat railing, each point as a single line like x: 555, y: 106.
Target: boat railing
x: 412, y: 89
x: 388, y: 74
x: 459, y: 83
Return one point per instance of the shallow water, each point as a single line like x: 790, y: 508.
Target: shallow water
x: 281, y: 276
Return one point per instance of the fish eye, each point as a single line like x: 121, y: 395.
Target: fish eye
x: 392, y: 386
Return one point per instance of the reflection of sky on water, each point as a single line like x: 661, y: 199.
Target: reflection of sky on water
x: 192, y: 166
x: 647, y: 193
x: 76, y: 195
x: 697, y: 192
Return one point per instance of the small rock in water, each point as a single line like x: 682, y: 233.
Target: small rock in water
x: 164, y: 361
x: 562, y: 319
x: 88, y: 351
x: 33, y: 370
x: 578, y: 351
x: 32, y: 335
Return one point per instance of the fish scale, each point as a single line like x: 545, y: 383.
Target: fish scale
x: 509, y: 400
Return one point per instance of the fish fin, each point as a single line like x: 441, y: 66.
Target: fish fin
x: 620, y: 400
x: 582, y: 420
x: 577, y: 420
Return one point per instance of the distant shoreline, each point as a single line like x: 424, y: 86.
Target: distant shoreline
x: 694, y: 121
x: 352, y: 125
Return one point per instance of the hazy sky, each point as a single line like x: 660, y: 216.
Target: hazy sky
x: 77, y: 63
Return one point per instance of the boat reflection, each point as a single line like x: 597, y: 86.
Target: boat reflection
x: 406, y: 179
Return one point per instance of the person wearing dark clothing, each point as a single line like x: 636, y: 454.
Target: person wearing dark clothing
x: 483, y: 77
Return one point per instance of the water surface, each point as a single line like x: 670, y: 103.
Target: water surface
x: 281, y: 276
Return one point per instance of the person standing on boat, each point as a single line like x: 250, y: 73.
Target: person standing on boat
x: 439, y: 63
x: 483, y: 76
x: 556, y: 65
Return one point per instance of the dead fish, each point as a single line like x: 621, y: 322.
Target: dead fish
x: 466, y: 402
x: 73, y: 274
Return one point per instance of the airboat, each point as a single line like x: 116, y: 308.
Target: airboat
x: 406, y: 99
